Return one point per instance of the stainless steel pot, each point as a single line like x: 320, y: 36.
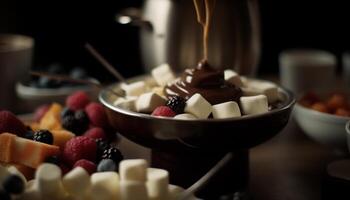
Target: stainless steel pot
x: 171, y: 34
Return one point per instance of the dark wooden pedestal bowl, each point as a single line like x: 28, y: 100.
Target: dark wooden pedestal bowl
x: 189, y: 148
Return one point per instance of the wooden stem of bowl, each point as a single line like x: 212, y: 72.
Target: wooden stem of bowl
x: 185, y: 168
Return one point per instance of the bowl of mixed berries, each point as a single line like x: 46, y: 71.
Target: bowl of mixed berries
x: 70, y: 152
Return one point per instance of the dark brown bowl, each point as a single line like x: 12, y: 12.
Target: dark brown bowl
x: 168, y: 134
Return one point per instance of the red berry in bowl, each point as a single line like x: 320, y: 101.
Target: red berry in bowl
x: 95, y: 133
x: 11, y: 124
x: 78, y: 148
x: 97, y: 115
x: 89, y: 166
x: 163, y: 111
x: 77, y: 101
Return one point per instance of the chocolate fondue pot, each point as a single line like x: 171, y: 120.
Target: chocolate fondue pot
x: 170, y: 33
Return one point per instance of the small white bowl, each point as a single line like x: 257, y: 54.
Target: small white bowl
x: 347, y: 128
x: 324, y: 128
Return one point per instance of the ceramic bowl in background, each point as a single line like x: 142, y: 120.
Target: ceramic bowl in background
x: 347, y: 128
x: 326, y: 129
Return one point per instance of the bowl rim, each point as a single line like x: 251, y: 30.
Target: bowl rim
x: 347, y: 127
x: 289, y: 102
x: 321, y: 115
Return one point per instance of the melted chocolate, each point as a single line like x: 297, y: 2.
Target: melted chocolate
x: 206, y: 81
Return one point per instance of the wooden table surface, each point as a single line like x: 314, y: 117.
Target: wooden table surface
x: 290, y: 166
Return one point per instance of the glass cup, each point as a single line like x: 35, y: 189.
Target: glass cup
x: 15, y: 62
x: 303, y: 70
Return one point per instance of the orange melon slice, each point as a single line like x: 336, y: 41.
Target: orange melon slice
x: 52, y: 118
x: 60, y: 137
x: 23, y: 151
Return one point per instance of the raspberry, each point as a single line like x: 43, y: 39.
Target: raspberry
x: 177, y: 104
x: 97, y: 114
x: 43, y: 136
x: 64, y: 169
x: 77, y: 100
x: 40, y: 112
x: 89, y: 166
x: 163, y: 111
x: 78, y: 148
x: 95, y: 133
x: 11, y: 124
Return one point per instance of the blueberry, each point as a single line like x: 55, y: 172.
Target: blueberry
x: 106, y: 165
x: 66, y: 111
x: 4, y: 195
x: 43, y: 136
x: 82, y: 120
x: 78, y: 73
x: 13, y: 184
x: 45, y: 82
x: 113, y: 153
x: 53, y: 160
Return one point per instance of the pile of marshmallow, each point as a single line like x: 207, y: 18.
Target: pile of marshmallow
x: 145, y: 96
x: 135, y: 181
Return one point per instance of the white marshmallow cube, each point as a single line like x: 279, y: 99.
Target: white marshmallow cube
x: 254, y: 104
x: 133, y: 170
x: 157, y: 183
x: 105, y: 186
x: 174, y: 192
x: 48, y: 177
x: 134, y: 89
x: 159, y: 91
x: 126, y: 103
x: 31, y: 192
x: 147, y: 102
x: 198, y: 106
x: 163, y: 74
x: 226, y: 110
x: 133, y: 190
x: 77, y: 182
x: 233, y: 77
x: 255, y: 87
x: 14, y: 170
x: 185, y: 116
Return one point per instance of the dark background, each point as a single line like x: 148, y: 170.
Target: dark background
x: 60, y: 29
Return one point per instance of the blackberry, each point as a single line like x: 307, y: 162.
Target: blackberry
x: 82, y: 120
x: 113, y: 154
x: 66, y: 111
x: 43, y: 136
x: 177, y: 104
x: 29, y: 134
x: 102, y: 145
x: 13, y: 184
x: 53, y: 160
x: 71, y: 124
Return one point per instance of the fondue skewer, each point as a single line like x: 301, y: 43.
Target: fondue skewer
x: 105, y: 63
x: 204, y: 180
x: 73, y: 80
